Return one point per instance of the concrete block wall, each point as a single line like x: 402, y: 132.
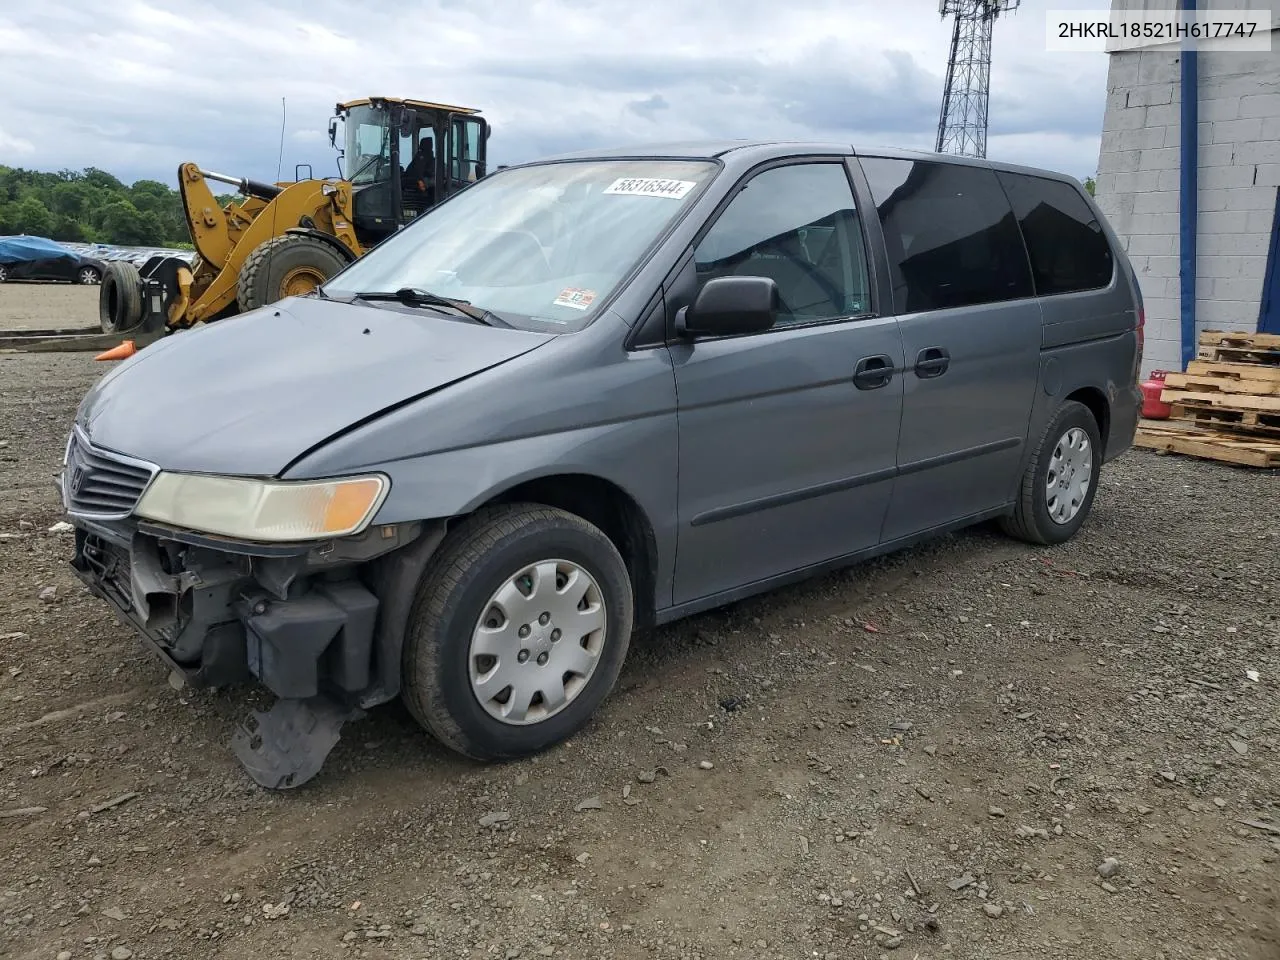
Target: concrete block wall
x: 1239, y: 173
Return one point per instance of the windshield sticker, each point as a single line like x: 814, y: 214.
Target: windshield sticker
x: 651, y: 187
x: 575, y: 297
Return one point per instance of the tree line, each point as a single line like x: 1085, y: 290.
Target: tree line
x: 92, y: 206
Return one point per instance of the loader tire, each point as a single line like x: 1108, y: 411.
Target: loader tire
x: 284, y: 267
x: 120, y: 297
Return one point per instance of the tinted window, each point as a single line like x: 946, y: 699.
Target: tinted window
x: 1067, y: 246
x: 950, y: 233
x: 798, y: 225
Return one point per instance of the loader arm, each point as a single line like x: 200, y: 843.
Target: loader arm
x: 225, y: 238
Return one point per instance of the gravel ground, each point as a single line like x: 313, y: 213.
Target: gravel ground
x: 934, y: 755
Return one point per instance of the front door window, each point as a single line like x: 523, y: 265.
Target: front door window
x: 797, y: 225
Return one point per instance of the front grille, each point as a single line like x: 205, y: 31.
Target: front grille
x: 99, y: 483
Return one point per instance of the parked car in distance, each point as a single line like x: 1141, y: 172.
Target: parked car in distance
x: 39, y: 258
x: 135, y: 255
x: 590, y: 395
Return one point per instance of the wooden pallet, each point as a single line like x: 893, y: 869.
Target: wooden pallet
x: 1234, y: 338
x: 1245, y: 421
x: 1262, y: 349
x: 1226, y: 406
x: 1225, y: 370
x: 1216, y: 383
x: 1230, y: 401
x: 1208, y: 444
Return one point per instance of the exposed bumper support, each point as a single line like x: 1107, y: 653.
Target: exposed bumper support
x: 320, y: 626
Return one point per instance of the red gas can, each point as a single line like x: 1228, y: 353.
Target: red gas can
x: 1153, y: 407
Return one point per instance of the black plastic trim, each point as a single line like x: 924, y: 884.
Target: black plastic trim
x: 848, y: 483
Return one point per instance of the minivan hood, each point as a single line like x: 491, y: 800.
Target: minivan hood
x: 249, y: 394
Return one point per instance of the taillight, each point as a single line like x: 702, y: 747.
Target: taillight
x: 1141, y: 336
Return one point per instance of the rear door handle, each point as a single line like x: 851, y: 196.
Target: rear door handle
x: 932, y: 362
x: 873, y: 372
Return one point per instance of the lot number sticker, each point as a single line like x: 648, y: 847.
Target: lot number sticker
x: 651, y: 187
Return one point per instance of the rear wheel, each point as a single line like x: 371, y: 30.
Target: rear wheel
x: 1059, y: 484
x: 287, y: 266
x: 519, y: 630
x: 120, y: 297
x: 4, y: 273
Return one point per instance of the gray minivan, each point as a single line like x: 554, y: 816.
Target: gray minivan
x: 589, y: 395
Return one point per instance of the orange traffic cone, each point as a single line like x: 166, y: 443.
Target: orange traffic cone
x: 122, y: 352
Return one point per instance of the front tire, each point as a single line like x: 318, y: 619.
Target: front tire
x: 1059, y: 484
x: 519, y: 630
x: 285, y: 266
x: 87, y: 276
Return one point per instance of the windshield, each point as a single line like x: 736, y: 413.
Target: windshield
x: 540, y: 246
x: 368, y: 151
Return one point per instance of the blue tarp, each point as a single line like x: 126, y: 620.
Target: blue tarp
x: 22, y: 249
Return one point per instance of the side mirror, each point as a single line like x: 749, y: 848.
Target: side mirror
x: 333, y: 132
x: 730, y: 305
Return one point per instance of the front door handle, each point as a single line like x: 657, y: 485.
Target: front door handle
x: 932, y: 362
x: 873, y: 372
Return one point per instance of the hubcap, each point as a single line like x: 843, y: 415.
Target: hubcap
x: 537, y: 642
x: 88, y: 276
x: 1070, y: 471
x: 300, y: 280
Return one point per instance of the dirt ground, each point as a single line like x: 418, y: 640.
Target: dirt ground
x: 928, y: 756
x: 43, y: 306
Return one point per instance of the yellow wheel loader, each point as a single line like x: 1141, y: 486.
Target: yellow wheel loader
x: 283, y: 239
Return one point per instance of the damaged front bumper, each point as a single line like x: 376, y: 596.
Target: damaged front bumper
x: 319, y: 625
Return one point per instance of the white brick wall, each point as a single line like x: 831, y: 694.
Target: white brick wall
x: 1239, y: 173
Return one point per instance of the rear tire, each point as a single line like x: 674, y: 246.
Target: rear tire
x: 284, y: 267
x: 120, y: 297
x: 1069, y: 454
x: 4, y: 273
x: 461, y: 613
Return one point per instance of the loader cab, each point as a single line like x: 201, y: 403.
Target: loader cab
x: 403, y: 157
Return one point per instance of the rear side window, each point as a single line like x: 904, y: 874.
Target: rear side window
x: 1068, y: 249
x: 951, y: 235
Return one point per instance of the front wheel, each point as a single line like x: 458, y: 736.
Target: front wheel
x: 88, y: 276
x: 1061, y: 480
x: 286, y: 266
x: 518, y: 632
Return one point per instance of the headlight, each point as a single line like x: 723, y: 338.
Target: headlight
x: 263, y: 509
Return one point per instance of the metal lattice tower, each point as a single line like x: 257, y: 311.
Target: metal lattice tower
x: 962, y: 124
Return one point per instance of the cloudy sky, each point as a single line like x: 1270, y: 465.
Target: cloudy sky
x: 136, y: 89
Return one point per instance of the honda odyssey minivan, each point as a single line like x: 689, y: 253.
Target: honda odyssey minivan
x: 589, y: 395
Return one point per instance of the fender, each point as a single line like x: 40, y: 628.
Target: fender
x: 347, y: 254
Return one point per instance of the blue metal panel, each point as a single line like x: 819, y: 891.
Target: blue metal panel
x: 1188, y: 206
x: 1269, y: 308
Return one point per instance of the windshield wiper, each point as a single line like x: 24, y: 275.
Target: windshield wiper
x: 417, y: 297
